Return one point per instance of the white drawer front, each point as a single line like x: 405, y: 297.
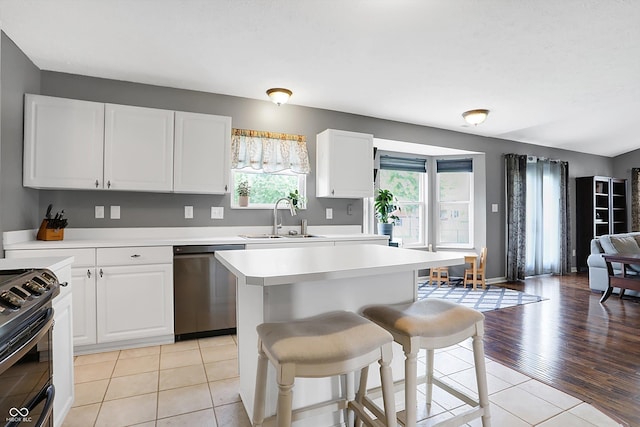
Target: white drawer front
x: 135, y: 255
x: 82, y: 257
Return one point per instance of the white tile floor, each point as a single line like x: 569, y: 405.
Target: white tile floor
x: 195, y: 383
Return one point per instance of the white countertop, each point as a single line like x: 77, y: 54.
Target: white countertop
x: 117, y: 237
x: 52, y: 263
x: 278, y: 266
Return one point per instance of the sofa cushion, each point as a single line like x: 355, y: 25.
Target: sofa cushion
x: 619, y: 244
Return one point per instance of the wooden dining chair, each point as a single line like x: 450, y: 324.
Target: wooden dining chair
x: 439, y: 275
x: 480, y: 272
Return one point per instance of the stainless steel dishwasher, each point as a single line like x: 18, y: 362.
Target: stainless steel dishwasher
x: 204, y: 292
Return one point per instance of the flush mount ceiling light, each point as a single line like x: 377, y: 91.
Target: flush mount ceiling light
x: 279, y: 95
x: 475, y: 117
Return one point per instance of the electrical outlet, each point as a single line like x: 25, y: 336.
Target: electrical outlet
x: 217, y: 212
x: 329, y: 213
x: 188, y: 212
x: 494, y: 207
x: 115, y: 212
x: 99, y: 211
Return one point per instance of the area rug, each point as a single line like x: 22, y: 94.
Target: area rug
x: 490, y: 298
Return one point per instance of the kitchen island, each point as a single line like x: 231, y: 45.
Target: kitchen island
x: 292, y: 283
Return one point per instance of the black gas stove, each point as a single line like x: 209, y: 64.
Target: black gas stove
x: 26, y: 365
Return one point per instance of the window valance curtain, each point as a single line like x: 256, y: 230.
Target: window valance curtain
x: 269, y: 151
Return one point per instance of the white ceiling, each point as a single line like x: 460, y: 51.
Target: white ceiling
x: 560, y: 73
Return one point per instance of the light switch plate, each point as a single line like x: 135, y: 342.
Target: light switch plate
x: 188, y: 212
x: 329, y: 213
x: 494, y: 207
x: 217, y: 212
x: 99, y: 211
x: 115, y: 212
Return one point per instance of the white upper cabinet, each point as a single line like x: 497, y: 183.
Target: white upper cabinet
x: 63, y: 141
x: 201, y: 153
x: 138, y: 148
x: 75, y: 144
x: 344, y: 164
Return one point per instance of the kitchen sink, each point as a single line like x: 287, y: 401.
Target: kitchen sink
x: 277, y: 236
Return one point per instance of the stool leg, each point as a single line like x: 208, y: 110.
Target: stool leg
x: 261, y: 386
x: 410, y: 389
x: 362, y: 390
x: 481, y: 377
x: 429, y: 382
x: 286, y: 377
x: 350, y: 395
x: 388, y: 395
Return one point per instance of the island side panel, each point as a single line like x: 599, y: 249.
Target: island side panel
x: 250, y: 313
x: 278, y: 303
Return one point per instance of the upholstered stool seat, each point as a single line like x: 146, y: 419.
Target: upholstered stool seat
x: 331, y: 344
x: 432, y: 324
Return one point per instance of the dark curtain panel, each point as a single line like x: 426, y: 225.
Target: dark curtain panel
x: 635, y: 199
x: 565, y: 223
x: 516, y: 191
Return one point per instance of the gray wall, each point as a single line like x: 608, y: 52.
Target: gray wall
x: 149, y: 209
x: 18, y: 205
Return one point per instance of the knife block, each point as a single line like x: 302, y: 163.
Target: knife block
x: 45, y: 233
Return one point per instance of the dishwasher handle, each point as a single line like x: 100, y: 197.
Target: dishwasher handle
x: 204, y: 249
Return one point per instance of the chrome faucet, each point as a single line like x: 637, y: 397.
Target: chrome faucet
x: 292, y: 209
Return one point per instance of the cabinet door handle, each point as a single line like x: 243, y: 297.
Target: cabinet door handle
x: 333, y: 192
x: 226, y: 188
x: 97, y: 183
x: 135, y: 256
x: 89, y: 273
x: 109, y: 184
x: 101, y: 273
x: 64, y: 284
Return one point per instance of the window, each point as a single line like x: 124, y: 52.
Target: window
x: 406, y: 178
x: 273, y: 164
x: 454, y: 184
x: 266, y: 188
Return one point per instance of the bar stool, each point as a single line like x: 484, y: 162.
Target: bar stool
x: 432, y: 324
x: 330, y: 344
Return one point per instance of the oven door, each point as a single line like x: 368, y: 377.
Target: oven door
x: 27, y: 392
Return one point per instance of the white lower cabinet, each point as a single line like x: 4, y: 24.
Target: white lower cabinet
x: 134, y: 302
x: 84, y: 305
x: 121, y: 295
x: 63, y: 348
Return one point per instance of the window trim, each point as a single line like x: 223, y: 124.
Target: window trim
x: 471, y: 205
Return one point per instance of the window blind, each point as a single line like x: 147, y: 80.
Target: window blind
x: 403, y: 164
x: 454, y: 165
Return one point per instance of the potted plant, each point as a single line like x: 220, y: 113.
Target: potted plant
x: 296, y: 199
x: 244, y: 191
x: 386, y: 207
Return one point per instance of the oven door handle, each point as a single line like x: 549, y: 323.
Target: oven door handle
x: 48, y: 392
x: 9, y: 360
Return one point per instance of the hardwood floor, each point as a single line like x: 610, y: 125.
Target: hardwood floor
x: 573, y: 343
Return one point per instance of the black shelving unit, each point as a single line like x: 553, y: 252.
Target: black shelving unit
x: 601, y: 208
